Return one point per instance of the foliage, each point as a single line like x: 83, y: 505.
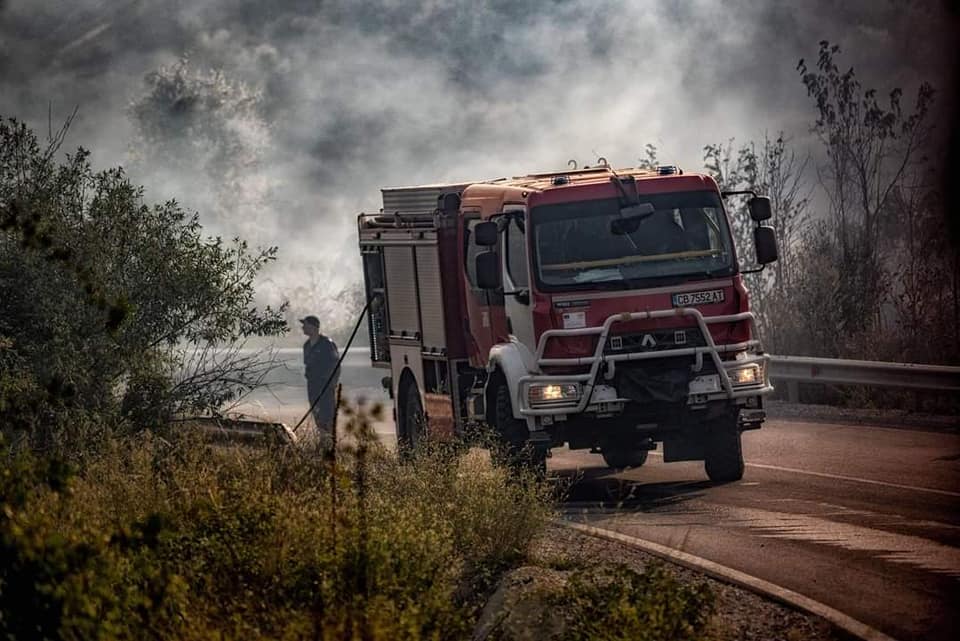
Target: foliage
x: 872, y: 151
x: 622, y: 604
x: 925, y: 270
x: 104, y: 295
x: 871, y: 275
x: 75, y: 583
x: 194, y: 541
x: 649, y: 161
x: 772, y: 169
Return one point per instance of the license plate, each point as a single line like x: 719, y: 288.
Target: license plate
x: 705, y: 384
x: 690, y: 299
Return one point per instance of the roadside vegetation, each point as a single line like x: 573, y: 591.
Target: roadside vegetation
x: 868, y: 267
x: 161, y: 535
x: 115, y: 311
x: 167, y: 536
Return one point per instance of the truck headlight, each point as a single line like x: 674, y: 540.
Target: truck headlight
x: 747, y: 375
x: 549, y: 393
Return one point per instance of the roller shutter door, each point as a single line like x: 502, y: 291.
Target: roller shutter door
x: 431, y: 299
x: 401, y: 291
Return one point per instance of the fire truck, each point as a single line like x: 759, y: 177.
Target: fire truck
x: 596, y: 308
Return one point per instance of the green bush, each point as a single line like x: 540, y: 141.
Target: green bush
x: 174, y: 537
x: 620, y: 604
x: 75, y: 583
x: 112, y: 306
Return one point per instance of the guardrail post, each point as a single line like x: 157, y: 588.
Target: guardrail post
x: 793, y: 391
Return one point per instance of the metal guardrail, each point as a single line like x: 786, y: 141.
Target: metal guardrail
x: 803, y: 369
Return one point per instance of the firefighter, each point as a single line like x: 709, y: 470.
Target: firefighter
x: 320, y: 358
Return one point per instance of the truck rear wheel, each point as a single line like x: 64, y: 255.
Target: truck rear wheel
x: 517, y: 452
x: 724, y: 454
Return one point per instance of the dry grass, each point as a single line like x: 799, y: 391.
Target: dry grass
x: 181, y: 538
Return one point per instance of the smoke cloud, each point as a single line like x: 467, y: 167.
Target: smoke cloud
x: 307, y: 108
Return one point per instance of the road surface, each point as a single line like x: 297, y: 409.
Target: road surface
x: 864, y: 519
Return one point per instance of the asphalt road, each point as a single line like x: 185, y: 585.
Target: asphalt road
x: 864, y: 519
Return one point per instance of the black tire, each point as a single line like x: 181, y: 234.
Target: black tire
x: 618, y: 458
x: 515, y: 449
x: 724, y: 454
x: 412, y: 430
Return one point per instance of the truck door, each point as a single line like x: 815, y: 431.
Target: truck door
x: 516, y: 279
x: 481, y: 304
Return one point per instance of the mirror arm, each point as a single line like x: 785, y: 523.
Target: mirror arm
x: 753, y: 271
x: 522, y: 295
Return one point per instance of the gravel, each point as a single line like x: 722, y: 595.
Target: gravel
x: 740, y: 614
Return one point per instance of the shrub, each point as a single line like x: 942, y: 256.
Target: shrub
x: 174, y: 537
x: 618, y: 603
x: 108, y: 299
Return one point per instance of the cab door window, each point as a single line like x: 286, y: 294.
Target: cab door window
x: 516, y: 248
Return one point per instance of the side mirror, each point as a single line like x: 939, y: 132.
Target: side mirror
x: 488, y: 269
x: 759, y: 209
x: 485, y: 234
x: 765, y: 240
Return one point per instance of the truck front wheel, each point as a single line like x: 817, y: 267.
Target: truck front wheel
x: 517, y: 452
x: 724, y: 454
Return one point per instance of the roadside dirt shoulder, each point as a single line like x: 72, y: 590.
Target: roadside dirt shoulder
x: 901, y: 419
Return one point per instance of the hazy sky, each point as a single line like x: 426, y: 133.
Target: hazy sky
x: 356, y: 95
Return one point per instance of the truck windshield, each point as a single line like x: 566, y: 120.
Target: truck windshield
x: 685, y: 235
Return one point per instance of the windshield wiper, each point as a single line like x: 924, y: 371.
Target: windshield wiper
x: 672, y: 279
x: 707, y: 273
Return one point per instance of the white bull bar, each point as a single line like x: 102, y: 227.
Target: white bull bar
x: 598, y: 358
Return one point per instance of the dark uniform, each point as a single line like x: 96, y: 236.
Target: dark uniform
x: 320, y: 363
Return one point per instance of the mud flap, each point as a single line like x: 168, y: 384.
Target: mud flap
x: 683, y: 449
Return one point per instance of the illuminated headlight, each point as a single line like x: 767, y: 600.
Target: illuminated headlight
x: 748, y: 375
x: 545, y: 394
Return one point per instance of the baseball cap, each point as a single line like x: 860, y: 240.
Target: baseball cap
x: 310, y: 320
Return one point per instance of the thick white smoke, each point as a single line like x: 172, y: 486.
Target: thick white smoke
x: 321, y: 104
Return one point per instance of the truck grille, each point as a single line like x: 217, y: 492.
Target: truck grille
x: 654, y: 341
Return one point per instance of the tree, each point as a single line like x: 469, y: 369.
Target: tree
x: 869, y: 147
x: 773, y: 169
x: 650, y: 160
x: 214, y: 125
x: 925, y: 273
x: 108, y: 300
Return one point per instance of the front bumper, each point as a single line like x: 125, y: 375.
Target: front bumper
x: 596, y: 396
